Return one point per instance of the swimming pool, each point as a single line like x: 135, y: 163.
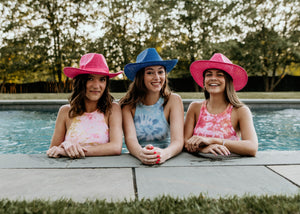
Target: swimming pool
x: 30, y: 132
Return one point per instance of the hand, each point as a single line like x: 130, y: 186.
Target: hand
x: 149, y: 155
x: 74, y: 150
x: 195, y: 142
x: 55, y: 152
x: 216, y: 149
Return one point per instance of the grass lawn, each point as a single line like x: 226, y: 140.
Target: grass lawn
x: 164, y: 204
x: 184, y: 95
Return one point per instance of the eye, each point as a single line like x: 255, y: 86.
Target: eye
x: 102, y: 79
x: 149, y: 72
x: 208, y: 74
x: 161, y: 72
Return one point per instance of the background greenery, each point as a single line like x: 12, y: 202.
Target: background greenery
x: 38, y: 38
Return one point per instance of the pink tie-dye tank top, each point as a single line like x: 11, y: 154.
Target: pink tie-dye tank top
x: 89, y: 129
x: 215, y: 125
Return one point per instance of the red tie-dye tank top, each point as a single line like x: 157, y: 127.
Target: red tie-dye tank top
x: 215, y: 125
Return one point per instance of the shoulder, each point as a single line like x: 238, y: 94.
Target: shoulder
x: 64, y: 109
x: 243, y: 111
x: 195, y: 106
x: 175, y: 98
x: 115, y: 106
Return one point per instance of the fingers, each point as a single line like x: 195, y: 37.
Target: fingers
x: 73, y: 150
x: 150, y: 156
x: 219, y: 150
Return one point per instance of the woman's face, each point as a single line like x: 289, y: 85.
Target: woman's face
x: 95, y: 86
x: 154, y: 78
x: 214, y: 81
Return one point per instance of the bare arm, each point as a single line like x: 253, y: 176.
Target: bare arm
x: 176, y: 118
x: 249, y: 143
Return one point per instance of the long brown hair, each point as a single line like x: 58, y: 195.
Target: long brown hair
x: 78, y: 96
x: 230, y: 93
x: 137, y: 91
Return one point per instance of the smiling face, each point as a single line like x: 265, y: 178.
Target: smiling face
x: 154, y: 78
x: 214, y: 81
x: 95, y: 86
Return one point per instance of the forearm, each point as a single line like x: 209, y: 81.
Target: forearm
x: 105, y: 149
x: 173, y: 149
x: 242, y: 147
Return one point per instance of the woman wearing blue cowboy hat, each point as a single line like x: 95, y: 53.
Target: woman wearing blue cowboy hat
x: 153, y: 117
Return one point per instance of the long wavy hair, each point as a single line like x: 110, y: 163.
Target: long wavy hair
x: 78, y: 97
x: 230, y: 93
x: 137, y: 91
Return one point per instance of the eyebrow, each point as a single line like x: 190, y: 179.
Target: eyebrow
x: 150, y: 68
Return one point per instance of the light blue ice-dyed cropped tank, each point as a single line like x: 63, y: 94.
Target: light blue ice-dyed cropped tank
x: 151, y: 124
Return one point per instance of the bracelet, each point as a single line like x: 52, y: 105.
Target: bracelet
x: 223, y: 142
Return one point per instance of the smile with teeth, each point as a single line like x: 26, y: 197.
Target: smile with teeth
x: 155, y: 83
x: 214, y: 84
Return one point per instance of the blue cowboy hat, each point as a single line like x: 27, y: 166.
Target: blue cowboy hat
x: 148, y: 57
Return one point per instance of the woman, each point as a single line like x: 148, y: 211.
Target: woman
x: 91, y: 125
x: 221, y: 124
x: 153, y: 117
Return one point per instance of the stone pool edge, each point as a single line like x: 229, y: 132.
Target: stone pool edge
x: 54, y: 105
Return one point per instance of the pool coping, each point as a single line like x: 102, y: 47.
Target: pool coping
x: 55, y: 104
x: 123, y: 177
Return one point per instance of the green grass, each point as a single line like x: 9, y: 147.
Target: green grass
x: 184, y: 95
x: 164, y: 204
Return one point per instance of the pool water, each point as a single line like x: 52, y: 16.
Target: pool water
x: 30, y: 132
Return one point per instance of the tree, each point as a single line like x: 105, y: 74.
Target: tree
x: 49, y: 27
x: 272, y: 42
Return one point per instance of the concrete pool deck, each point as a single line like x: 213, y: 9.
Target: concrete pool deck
x: 117, y: 178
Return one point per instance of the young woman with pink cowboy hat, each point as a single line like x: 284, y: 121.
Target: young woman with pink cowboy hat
x: 153, y: 117
x: 221, y: 124
x: 91, y: 125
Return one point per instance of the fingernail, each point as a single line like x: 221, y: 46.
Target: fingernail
x: 158, y: 156
x: 158, y: 159
x: 154, y: 152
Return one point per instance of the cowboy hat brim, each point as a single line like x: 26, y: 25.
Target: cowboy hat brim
x: 132, y: 68
x: 238, y: 74
x: 73, y: 72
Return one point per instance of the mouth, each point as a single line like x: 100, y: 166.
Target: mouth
x: 156, y: 83
x: 214, y: 84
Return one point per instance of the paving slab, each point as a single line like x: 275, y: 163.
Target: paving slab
x: 77, y: 184
x: 218, y: 181
x: 290, y: 172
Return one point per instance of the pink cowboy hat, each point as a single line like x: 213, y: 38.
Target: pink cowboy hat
x: 91, y: 63
x: 220, y: 62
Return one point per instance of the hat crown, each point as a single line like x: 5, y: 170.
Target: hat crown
x: 93, y: 61
x: 218, y: 57
x: 148, y: 55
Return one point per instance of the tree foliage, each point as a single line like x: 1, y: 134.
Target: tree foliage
x: 39, y: 38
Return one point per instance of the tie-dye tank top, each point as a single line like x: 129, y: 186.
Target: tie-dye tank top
x: 89, y: 129
x: 151, y: 124
x: 215, y: 125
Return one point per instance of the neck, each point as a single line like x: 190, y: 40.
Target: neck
x: 151, y: 98
x: 90, y: 106
x: 216, y: 103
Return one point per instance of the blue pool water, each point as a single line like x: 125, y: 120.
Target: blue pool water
x: 30, y: 132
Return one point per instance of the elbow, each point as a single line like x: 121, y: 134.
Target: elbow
x: 117, y: 151
x: 253, y: 150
